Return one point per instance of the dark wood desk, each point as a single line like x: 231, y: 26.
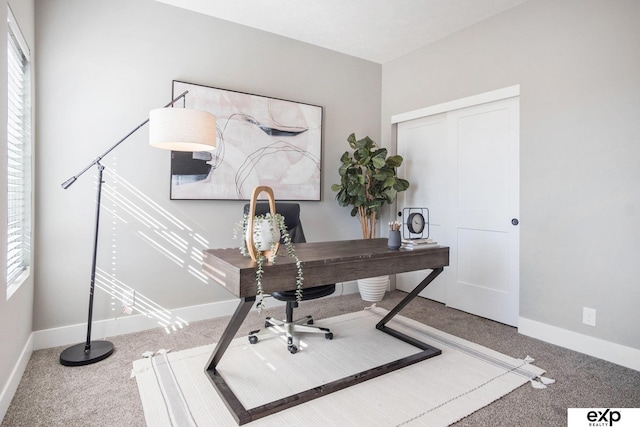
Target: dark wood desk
x: 322, y: 263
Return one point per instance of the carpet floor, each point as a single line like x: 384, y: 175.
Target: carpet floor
x: 104, y: 394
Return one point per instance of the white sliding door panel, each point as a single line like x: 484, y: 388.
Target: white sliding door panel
x: 484, y: 199
x: 420, y: 142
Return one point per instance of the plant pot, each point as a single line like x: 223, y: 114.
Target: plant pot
x: 265, y: 233
x: 372, y: 289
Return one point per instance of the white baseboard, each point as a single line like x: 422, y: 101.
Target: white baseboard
x: 609, y: 351
x: 12, y: 384
x: 126, y: 324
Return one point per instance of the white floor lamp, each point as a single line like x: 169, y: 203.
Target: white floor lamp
x: 177, y: 129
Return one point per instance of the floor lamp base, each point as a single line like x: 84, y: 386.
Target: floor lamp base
x: 76, y: 356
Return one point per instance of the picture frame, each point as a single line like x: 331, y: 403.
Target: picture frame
x: 260, y: 141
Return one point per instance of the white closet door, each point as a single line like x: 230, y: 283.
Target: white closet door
x: 469, y: 178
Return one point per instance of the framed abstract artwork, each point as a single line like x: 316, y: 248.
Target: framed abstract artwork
x: 260, y: 141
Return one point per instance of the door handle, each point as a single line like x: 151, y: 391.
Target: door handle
x: 515, y: 221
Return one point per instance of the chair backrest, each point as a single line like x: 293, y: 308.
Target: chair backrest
x: 291, y: 214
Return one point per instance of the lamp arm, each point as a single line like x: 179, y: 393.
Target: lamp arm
x: 71, y: 180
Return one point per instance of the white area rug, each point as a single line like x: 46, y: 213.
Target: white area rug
x: 176, y: 391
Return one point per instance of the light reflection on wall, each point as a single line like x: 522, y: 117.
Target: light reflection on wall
x: 129, y: 297
x: 162, y: 231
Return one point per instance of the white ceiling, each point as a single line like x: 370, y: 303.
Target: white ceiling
x: 375, y: 30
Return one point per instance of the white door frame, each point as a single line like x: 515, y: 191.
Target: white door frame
x: 482, y: 98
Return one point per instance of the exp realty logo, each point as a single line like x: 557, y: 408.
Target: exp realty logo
x: 603, y: 417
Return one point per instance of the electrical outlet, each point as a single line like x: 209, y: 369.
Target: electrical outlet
x: 128, y: 297
x: 589, y: 316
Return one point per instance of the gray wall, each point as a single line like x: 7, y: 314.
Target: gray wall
x: 577, y: 65
x: 102, y: 66
x: 16, y: 312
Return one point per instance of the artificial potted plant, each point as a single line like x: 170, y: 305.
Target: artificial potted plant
x: 261, y: 236
x: 368, y: 180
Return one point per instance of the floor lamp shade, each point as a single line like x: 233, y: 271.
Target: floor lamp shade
x: 182, y: 129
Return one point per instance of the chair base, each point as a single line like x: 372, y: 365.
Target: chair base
x: 289, y: 329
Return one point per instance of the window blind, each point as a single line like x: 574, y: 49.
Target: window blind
x: 18, y: 154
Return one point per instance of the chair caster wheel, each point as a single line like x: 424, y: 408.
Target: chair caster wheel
x: 310, y: 321
x: 253, y: 339
x: 292, y: 349
x: 267, y: 325
x: 329, y: 335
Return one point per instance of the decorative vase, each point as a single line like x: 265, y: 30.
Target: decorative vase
x: 265, y: 233
x: 394, y: 239
x: 372, y: 289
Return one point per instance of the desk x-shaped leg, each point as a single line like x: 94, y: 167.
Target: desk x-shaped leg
x: 382, y: 324
x: 243, y: 415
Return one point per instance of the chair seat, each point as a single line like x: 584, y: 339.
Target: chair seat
x: 307, y: 294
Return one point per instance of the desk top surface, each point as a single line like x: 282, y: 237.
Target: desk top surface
x: 322, y: 263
